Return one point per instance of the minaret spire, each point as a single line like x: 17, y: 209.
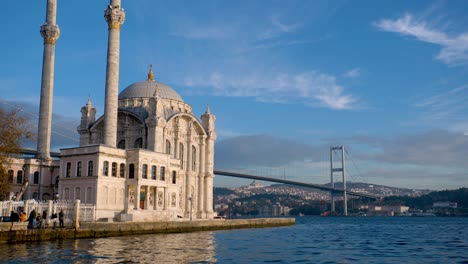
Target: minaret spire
x: 115, y: 17
x: 50, y: 32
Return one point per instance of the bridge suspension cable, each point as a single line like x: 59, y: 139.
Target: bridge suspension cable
x: 36, y: 116
x: 355, y: 165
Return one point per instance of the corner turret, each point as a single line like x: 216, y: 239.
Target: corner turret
x: 88, y: 117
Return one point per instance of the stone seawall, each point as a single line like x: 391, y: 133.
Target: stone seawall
x: 19, y: 232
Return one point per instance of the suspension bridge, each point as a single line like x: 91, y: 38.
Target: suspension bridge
x: 340, y: 168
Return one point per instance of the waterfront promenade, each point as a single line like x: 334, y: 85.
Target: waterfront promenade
x: 18, y: 232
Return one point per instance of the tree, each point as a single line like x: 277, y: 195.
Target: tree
x: 13, y: 128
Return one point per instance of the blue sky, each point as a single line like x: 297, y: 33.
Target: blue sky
x: 386, y: 78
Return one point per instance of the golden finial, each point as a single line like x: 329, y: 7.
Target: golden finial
x: 151, y: 74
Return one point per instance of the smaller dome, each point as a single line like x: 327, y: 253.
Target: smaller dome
x: 147, y: 88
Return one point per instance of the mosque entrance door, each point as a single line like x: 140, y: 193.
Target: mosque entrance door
x: 142, y: 198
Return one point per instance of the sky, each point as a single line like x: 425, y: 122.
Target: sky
x: 285, y: 79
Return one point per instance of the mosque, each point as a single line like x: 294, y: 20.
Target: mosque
x: 148, y: 158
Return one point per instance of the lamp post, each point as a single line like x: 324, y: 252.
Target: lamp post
x: 190, y: 200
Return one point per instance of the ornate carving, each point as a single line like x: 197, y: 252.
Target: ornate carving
x: 160, y: 199
x: 173, y: 199
x: 115, y: 16
x: 50, y: 33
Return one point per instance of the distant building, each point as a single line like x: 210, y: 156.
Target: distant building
x: 445, y: 204
x: 274, y: 210
x: 386, y: 210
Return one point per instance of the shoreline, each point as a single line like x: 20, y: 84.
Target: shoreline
x: 19, y: 233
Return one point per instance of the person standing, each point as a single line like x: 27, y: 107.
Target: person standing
x: 23, y: 216
x: 32, y: 217
x: 61, y: 215
x: 44, y: 219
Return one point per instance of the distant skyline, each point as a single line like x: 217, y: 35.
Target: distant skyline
x: 286, y: 80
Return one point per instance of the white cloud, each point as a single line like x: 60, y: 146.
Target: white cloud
x: 276, y: 29
x: 310, y: 88
x: 198, y: 33
x: 353, y: 73
x: 449, y: 106
x: 454, y: 49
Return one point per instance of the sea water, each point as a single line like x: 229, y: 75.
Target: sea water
x: 310, y: 240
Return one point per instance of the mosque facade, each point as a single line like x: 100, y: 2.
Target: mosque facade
x: 147, y: 158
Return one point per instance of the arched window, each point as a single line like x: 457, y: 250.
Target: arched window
x: 89, y: 195
x: 68, y: 170
x: 78, y: 169
x: 10, y: 176
x: 105, y: 168
x: 163, y: 173
x: 67, y: 194
x: 168, y: 147
x: 121, y: 144
x: 153, y: 172
x: 36, y: 177
x: 194, y: 157
x: 174, y: 177
x: 90, y: 168
x: 122, y: 170
x: 19, y: 177
x: 35, y: 196
x: 114, y: 169
x: 131, y: 171
x: 77, y: 193
x: 181, y: 155
x: 144, y: 171
x: 138, y: 143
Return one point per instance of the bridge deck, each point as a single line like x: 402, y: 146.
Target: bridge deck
x: 310, y: 185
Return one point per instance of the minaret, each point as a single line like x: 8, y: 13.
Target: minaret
x: 50, y: 32
x: 208, y: 123
x: 115, y: 17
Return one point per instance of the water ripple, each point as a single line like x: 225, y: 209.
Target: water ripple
x: 311, y: 240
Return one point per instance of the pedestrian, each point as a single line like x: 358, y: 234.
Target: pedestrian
x: 32, y: 218
x: 14, y: 217
x: 38, y: 223
x: 54, y: 216
x: 61, y: 215
x: 44, y: 219
x: 23, y: 217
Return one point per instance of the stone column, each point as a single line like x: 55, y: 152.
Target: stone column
x: 76, y: 223
x: 209, y: 174
x: 201, y: 176
x: 126, y: 198
x: 115, y: 17
x: 156, y: 190
x: 176, y: 138
x: 50, y: 32
x: 188, y: 178
x: 147, y: 196
x: 49, y: 212
x: 137, y: 197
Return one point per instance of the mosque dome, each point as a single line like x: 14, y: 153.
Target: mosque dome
x: 146, y: 89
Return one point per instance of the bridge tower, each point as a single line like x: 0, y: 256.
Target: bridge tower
x: 334, y: 170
